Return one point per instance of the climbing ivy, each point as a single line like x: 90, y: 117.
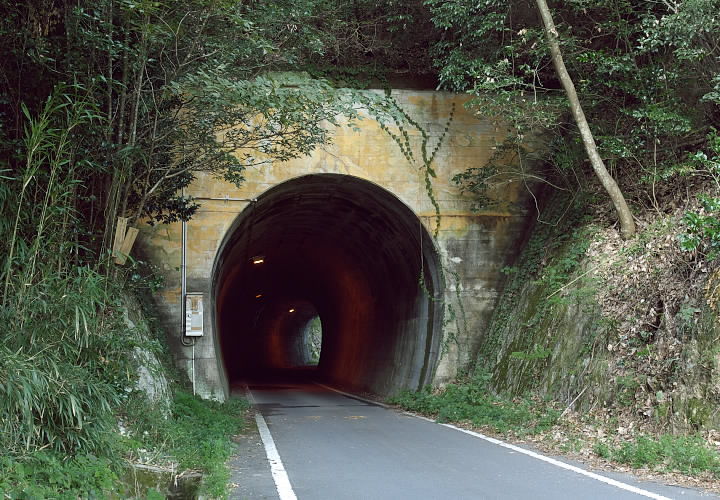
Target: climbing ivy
x: 403, y: 141
x: 398, y: 125
x: 391, y: 117
x: 428, y: 154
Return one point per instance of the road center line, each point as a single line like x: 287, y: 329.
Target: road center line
x: 557, y: 463
x: 279, y: 475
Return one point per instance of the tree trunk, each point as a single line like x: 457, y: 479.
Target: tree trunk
x: 627, y: 225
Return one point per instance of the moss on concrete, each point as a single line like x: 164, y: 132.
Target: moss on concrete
x: 543, y: 332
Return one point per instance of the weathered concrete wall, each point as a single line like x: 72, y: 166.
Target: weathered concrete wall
x: 474, y: 247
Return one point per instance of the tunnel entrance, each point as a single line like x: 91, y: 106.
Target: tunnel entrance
x: 345, y: 251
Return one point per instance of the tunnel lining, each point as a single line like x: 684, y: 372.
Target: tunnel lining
x: 352, y: 250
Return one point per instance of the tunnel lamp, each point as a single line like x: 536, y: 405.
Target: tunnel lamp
x: 258, y: 259
x: 258, y: 295
x: 292, y: 310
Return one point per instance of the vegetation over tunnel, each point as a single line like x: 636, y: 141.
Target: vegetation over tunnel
x: 345, y: 250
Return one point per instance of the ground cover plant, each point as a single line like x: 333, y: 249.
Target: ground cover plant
x: 687, y: 454
x: 469, y: 401
x: 194, y: 437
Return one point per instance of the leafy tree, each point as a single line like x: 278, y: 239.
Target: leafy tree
x: 223, y: 126
x: 163, y: 74
x: 645, y: 74
x: 626, y: 221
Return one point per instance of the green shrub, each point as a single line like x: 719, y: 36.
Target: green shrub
x: 471, y: 401
x: 686, y: 454
x: 47, y: 474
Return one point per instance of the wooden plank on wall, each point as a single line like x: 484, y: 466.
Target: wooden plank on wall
x: 119, y: 235
x: 127, y: 245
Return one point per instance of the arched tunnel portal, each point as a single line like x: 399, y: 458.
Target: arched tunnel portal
x: 346, y: 250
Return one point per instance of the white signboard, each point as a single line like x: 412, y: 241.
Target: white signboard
x: 194, y: 315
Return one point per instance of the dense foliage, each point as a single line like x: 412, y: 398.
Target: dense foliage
x: 109, y: 107
x: 141, y: 74
x: 647, y: 74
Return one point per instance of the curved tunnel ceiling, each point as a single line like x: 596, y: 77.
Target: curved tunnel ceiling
x: 341, y: 248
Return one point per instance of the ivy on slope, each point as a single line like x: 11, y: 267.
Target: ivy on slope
x: 559, y: 226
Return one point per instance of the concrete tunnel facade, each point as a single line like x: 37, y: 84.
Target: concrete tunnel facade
x: 343, y: 249
x: 345, y: 234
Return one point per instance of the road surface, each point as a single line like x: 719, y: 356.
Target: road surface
x: 318, y: 444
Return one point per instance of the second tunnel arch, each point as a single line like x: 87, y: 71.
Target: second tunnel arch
x: 343, y: 248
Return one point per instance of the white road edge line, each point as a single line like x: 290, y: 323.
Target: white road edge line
x: 282, y: 481
x: 279, y: 475
x: 557, y: 463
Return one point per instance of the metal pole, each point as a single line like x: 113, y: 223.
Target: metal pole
x: 183, y: 290
x: 183, y: 295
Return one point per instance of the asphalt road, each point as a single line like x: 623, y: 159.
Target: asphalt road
x: 335, y: 447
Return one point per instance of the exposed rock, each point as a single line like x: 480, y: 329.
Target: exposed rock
x: 151, y: 378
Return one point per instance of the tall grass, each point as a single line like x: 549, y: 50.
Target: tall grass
x: 62, y: 356
x: 59, y: 365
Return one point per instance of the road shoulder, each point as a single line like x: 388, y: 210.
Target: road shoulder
x: 250, y: 471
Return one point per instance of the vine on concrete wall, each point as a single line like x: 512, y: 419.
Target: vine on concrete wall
x: 403, y: 141
x: 398, y: 124
x: 450, y: 315
x: 390, y: 114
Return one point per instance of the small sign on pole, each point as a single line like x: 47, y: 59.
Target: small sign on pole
x: 194, y: 314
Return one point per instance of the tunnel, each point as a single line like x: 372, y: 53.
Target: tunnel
x: 337, y: 248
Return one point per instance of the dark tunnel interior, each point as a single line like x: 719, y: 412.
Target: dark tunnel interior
x: 343, y: 249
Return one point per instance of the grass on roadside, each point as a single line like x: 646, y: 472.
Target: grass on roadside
x: 686, y: 454
x: 196, y: 435
x: 470, y: 401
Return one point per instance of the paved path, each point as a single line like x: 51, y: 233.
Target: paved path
x: 333, y: 447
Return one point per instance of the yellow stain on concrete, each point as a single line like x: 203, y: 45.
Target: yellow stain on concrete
x: 369, y: 154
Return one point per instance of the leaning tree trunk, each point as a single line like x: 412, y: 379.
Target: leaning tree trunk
x: 627, y: 225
